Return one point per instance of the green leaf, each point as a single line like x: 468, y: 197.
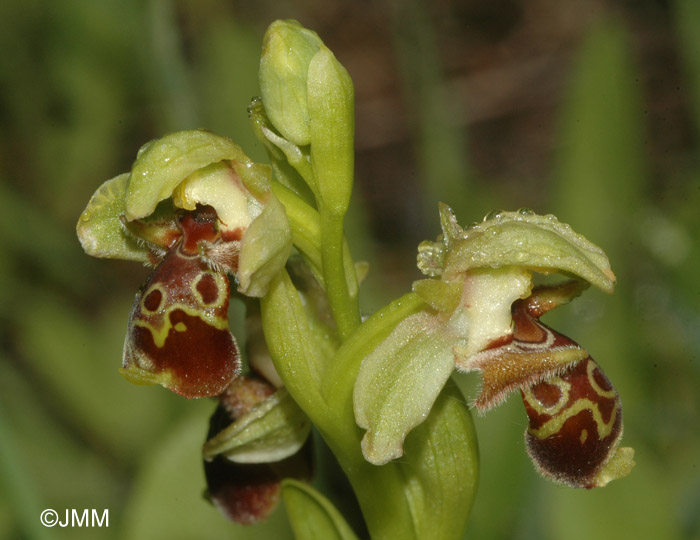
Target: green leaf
x: 162, y: 164
x: 441, y: 468
x: 398, y: 383
x: 99, y: 229
x: 529, y: 240
x: 312, y: 516
x: 272, y: 431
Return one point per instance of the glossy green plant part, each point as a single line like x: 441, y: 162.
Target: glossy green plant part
x: 400, y: 379
x: 313, y: 517
x: 265, y: 248
x: 162, y: 164
x: 520, y: 238
x: 273, y: 430
x: 442, y: 468
x: 396, y: 498
x: 296, y: 353
x: 284, y: 155
x: 308, y: 97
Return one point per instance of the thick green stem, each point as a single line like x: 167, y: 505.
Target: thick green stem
x: 381, y: 490
x: 341, y: 286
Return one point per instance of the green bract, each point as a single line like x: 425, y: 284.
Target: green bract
x: 312, y: 516
x: 331, y: 122
x: 271, y: 431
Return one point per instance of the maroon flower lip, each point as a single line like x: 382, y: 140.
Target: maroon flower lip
x: 574, y: 411
x: 575, y: 424
x: 178, y: 331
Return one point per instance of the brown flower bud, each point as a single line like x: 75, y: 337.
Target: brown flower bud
x: 247, y: 493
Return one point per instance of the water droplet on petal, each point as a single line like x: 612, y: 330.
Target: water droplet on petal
x: 493, y: 214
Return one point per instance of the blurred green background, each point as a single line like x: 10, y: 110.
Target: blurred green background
x: 587, y: 109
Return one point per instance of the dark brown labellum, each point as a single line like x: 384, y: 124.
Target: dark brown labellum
x: 574, y: 411
x: 178, y: 332
x: 575, y: 423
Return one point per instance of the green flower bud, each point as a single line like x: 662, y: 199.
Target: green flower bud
x: 309, y: 99
x: 287, y: 51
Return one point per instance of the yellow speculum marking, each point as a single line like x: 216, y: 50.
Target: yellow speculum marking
x: 555, y: 424
x: 220, y: 286
x: 564, y: 388
x: 161, y: 334
x: 164, y: 298
x: 591, y: 379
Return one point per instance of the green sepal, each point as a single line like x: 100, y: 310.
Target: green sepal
x: 273, y: 430
x: 332, y: 129
x: 521, y: 238
x: 162, y: 164
x: 99, y: 228
x: 441, y: 468
x: 399, y: 381
x: 526, y: 239
x: 265, y: 248
x: 312, y: 516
